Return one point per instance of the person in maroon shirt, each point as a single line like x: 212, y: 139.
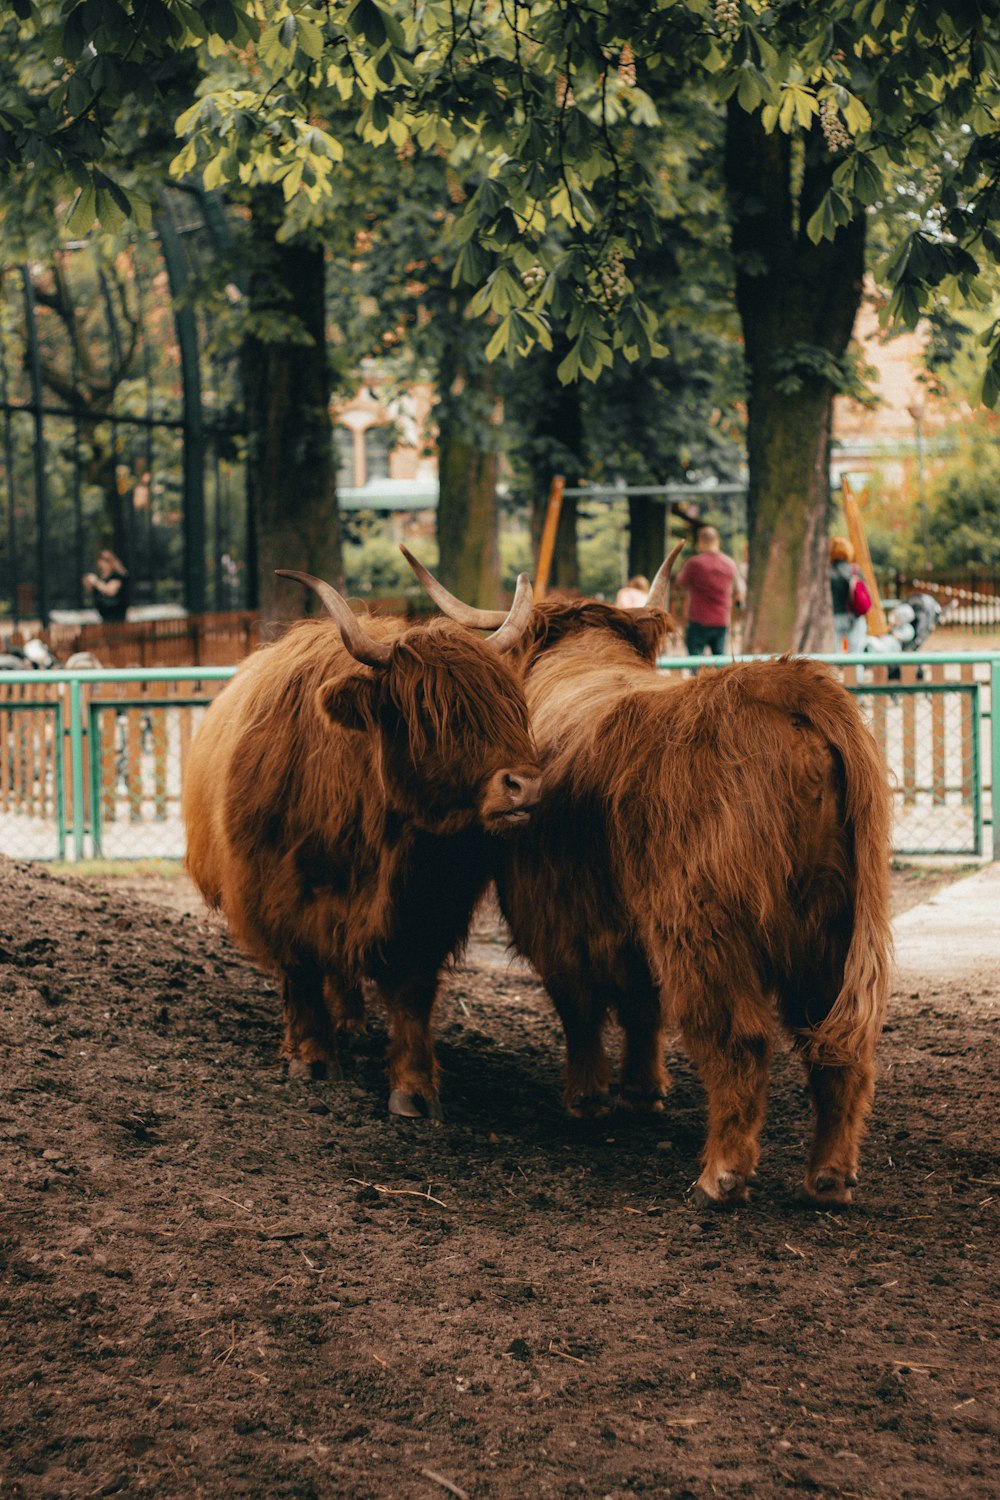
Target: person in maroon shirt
x: 710, y: 581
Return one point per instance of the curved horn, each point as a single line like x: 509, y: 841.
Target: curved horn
x: 355, y: 637
x: 465, y: 614
x: 659, y: 591
x: 516, y: 622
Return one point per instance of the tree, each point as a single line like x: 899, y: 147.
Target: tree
x: 547, y: 436
x: 279, y: 260
x: 544, y: 98
x: 417, y: 329
x: 798, y: 300
x: 287, y: 387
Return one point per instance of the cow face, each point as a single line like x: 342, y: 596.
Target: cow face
x: 448, y: 713
x: 452, y: 725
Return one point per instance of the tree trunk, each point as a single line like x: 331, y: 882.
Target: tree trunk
x: 647, y: 535
x: 555, y: 445
x: 468, y: 550
x: 289, y: 433
x: 797, y: 302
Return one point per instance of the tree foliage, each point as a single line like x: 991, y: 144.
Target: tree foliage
x: 964, y: 503
x: 555, y: 100
x: 553, y: 113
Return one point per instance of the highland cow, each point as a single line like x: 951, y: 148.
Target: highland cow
x: 709, y: 855
x: 337, y: 800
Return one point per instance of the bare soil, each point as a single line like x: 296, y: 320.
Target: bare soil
x: 220, y: 1283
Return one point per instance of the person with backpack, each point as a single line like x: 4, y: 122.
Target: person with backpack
x: 849, y: 595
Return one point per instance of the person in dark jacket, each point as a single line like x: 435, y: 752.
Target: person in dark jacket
x: 109, y: 586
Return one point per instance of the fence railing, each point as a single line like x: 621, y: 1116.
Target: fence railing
x: 217, y: 639
x: 220, y: 639
x: 92, y: 763
x: 970, y: 602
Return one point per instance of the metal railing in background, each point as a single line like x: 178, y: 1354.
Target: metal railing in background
x: 92, y: 763
x: 970, y: 600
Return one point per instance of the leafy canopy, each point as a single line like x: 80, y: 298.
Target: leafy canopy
x: 554, y: 103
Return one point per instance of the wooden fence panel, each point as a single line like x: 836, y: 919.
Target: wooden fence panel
x: 939, y: 731
x: 158, y: 724
x: 6, y: 753
x: 909, y: 712
x: 133, y: 762
x: 967, y: 672
x: 880, y: 712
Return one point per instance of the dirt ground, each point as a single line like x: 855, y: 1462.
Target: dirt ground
x: 220, y: 1283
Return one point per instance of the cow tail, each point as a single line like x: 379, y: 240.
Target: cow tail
x: 854, y: 1022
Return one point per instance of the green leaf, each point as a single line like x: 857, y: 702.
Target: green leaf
x: 856, y: 116
x: 471, y: 264
x: 499, y: 343
x: 215, y: 173
x: 367, y: 20
x: 869, y: 185
x: 83, y: 212
x: 823, y: 224
x: 749, y: 92
x: 109, y: 211
x: 569, y: 369
x: 310, y: 39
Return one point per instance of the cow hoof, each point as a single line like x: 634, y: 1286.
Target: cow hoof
x: 643, y: 1101
x: 406, y: 1106
x: 830, y: 1189
x: 590, y: 1106
x: 314, y: 1070
x: 731, y: 1191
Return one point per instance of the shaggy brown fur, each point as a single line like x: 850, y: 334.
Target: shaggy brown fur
x: 710, y: 854
x: 336, y: 813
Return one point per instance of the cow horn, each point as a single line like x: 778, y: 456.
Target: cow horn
x: 659, y: 590
x: 507, y: 628
x: 465, y: 614
x: 359, y: 643
x: 516, y: 621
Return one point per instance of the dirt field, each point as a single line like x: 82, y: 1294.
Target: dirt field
x: 218, y: 1283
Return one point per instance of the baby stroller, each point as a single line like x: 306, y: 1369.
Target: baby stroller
x: 910, y: 623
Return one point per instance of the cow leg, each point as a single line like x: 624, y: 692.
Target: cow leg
x: 733, y: 1057
x: 588, y: 1071
x: 644, y: 1078
x: 308, y: 1042
x: 413, y: 1068
x: 346, y: 1006
x: 842, y: 1098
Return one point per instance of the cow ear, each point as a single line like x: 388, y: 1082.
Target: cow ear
x: 351, y: 702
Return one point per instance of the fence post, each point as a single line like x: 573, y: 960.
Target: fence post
x: 76, y: 763
x: 995, y: 755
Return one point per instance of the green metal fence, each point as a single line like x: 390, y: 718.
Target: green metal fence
x: 92, y: 763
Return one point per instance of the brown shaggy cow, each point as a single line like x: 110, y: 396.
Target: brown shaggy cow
x: 337, y: 799
x: 709, y: 854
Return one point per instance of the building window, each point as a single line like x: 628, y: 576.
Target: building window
x: 344, y: 439
x: 378, y: 444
